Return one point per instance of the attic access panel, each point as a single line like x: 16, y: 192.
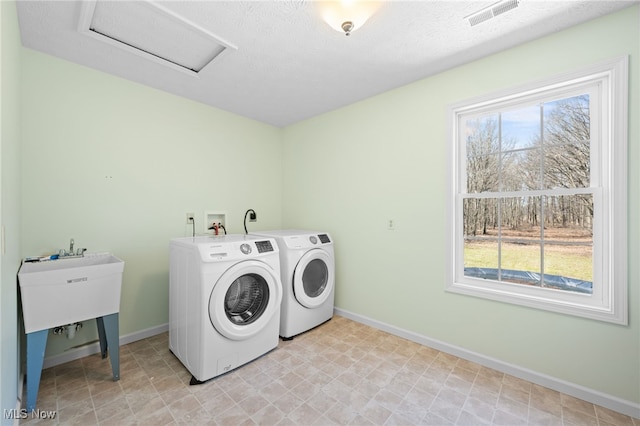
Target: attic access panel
x: 150, y: 30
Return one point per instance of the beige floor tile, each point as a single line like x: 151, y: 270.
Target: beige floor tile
x: 340, y: 413
x: 306, y: 389
x: 215, y: 403
x: 86, y: 419
x: 479, y: 409
x: 118, y: 409
x: 304, y: 415
x: 269, y: 415
x: 273, y: 390
x: 543, y: 418
x: 146, y: 406
x: 414, y: 413
x: 388, y: 399
x: 469, y: 419
x: 445, y: 410
x: 341, y: 373
x: 575, y: 417
x: 107, y: 396
x: 161, y: 417
x: 515, y: 393
x: 516, y: 408
x: 288, y: 402
x: 361, y: 421
x: 234, y: 415
x: 435, y: 420
x: 71, y: 397
x: 180, y: 409
x: 79, y: 408
x: 613, y: 417
x: 376, y: 412
x: 253, y: 404
x: 503, y: 418
x: 69, y: 384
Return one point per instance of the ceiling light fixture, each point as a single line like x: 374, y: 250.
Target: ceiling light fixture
x: 346, y: 16
x: 347, y: 26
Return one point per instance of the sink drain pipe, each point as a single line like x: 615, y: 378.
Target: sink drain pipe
x: 69, y: 329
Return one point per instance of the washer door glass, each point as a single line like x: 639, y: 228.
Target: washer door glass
x: 245, y: 299
x: 313, y: 278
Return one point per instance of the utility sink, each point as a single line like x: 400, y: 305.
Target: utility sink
x: 63, y: 291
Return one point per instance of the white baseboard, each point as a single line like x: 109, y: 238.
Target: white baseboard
x: 595, y: 397
x: 94, y: 348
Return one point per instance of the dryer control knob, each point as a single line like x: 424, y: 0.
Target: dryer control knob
x: 245, y: 248
x: 313, y: 239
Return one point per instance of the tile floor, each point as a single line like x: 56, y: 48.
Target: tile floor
x: 340, y: 373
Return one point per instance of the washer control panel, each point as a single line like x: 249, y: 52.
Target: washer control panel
x: 306, y: 241
x: 264, y: 246
x: 230, y: 247
x: 324, y: 238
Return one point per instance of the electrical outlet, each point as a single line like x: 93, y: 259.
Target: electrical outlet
x: 391, y: 226
x: 190, y: 217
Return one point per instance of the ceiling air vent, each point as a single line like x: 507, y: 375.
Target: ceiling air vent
x: 150, y: 30
x: 491, y: 12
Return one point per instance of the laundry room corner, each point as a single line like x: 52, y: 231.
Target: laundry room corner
x: 116, y: 166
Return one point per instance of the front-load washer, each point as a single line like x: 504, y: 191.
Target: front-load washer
x: 224, y: 302
x: 308, y: 279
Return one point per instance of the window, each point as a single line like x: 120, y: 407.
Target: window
x: 537, y: 195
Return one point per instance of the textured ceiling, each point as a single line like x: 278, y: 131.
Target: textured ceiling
x: 284, y: 63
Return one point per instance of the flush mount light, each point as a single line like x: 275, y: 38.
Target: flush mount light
x: 347, y: 26
x: 150, y: 30
x: 346, y: 16
x: 492, y: 11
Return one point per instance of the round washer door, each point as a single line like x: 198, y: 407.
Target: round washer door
x: 244, y: 300
x: 313, y: 278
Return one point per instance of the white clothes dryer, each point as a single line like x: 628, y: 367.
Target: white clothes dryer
x: 224, y: 302
x: 307, y: 266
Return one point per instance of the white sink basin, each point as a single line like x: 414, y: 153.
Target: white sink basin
x: 64, y: 291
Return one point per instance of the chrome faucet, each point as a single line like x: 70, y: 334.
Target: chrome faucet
x: 78, y: 253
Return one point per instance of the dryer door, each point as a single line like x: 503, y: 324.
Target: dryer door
x: 244, y: 300
x: 313, y: 278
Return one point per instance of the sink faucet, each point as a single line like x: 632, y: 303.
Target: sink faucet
x: 71, y: 253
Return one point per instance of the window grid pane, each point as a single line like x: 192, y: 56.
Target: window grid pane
x: 578, y: 174
x: 526, y: 239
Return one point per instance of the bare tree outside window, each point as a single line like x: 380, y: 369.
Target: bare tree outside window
x: 514, y: 231
x: 537, y: 193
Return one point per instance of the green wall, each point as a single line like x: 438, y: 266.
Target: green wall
x: 117, y: 165
x: 387, y: 158
x: 10, y: 83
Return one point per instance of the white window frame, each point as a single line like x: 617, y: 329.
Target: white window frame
x: 608, y: 302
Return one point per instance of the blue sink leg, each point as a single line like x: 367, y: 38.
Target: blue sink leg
x: 109, y: 334
x: 36, y: 344
x: 102, y: 337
